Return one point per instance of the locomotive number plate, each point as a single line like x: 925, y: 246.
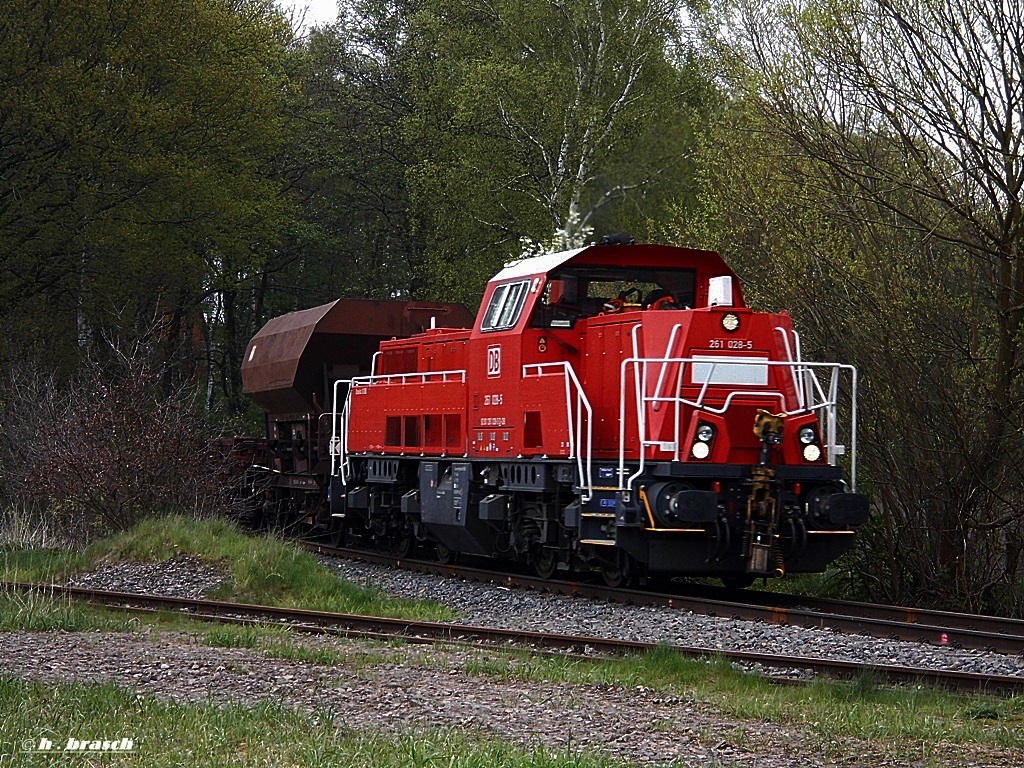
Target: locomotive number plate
x: 730, y: 344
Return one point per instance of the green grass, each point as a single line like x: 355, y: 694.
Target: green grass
x: 324, y: 656
x: 277, y: 642
x: 34, y: 612
x: 235, y: 637
x: 261, y: 569
x: 40, y: 564
x: 166, y: 734
x: 834, y: 583
x: 827, y: 709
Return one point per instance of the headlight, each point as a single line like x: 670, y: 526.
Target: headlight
x: 811, y: 452
x: 808, y: 435
x: 700, y: 450
x: 705, y: 432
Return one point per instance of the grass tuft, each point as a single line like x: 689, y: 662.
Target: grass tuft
x: 261, y: 569
x: 234, y: 637
x: 279, y: 643
x: 323, y: 656
x: 40, y: 564
x: 35, y: 612
x: 985, y: 710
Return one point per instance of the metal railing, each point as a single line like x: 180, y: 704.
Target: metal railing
x: 339, y: 419
x: 339, y: 434
x: 422, y: 377
x: 808, y: 396
x: 580, y: 448
x: 808, y: 392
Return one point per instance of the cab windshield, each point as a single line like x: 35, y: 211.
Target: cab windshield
x: 584, y: 291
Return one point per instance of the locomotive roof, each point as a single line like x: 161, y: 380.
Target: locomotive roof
x: 633, y: 255
x: 536, y: 265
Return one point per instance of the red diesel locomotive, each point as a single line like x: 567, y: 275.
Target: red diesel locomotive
x: 614, y: 408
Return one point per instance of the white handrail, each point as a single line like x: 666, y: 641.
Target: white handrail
x: 798, y: 382
x: 584, y: 463
x: 828, y: 404
x: 339, y: 431
x: 831, y: 426
x: 641, y: 416
x: 424, y: 377
x: 805, y: 380
x: 668, y: 351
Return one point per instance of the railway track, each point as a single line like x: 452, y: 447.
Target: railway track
x: 940, y: 628
x: 351, y: 625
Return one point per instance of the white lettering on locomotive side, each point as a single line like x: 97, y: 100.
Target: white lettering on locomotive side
x: 495, y: 399
x: 492, y: 421
x: 494, y: 361
x: 730, y: 344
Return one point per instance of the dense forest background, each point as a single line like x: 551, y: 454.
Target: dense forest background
x: 175, y: 172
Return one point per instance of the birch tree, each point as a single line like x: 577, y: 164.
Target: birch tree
x: 569, y: 112
x: 542, y: 116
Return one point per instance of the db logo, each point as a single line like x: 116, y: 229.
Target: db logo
x: 493, y: 362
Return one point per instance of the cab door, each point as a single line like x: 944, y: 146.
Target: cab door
x: 495, y: 368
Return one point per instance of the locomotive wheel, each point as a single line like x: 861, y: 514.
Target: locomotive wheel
x: 614, y: 576
x: 445, y: 556
x: 404, y: 543
x: 337, y: 534
x: 545, y: 563
x: 621, y: 573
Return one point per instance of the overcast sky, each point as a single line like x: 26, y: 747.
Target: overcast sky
x: 318, y: 11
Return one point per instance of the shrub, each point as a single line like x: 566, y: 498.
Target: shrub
x: 104, y: 449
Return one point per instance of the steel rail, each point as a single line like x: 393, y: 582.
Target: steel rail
x: 428, y: 631
x: 999, y: 625
x: 938, y: 628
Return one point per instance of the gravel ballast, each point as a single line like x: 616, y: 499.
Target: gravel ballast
x: 498, y: 606
x: 182, y: 576
x: 493, y: 605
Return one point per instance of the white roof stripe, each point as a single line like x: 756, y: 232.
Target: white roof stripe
x: 536, y: 265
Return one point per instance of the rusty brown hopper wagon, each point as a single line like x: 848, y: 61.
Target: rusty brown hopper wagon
x: 290, y: 369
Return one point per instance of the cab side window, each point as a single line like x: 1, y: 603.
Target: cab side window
x: 505, y: 306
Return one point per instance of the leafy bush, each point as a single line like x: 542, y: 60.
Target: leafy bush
x: 104, y: 449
